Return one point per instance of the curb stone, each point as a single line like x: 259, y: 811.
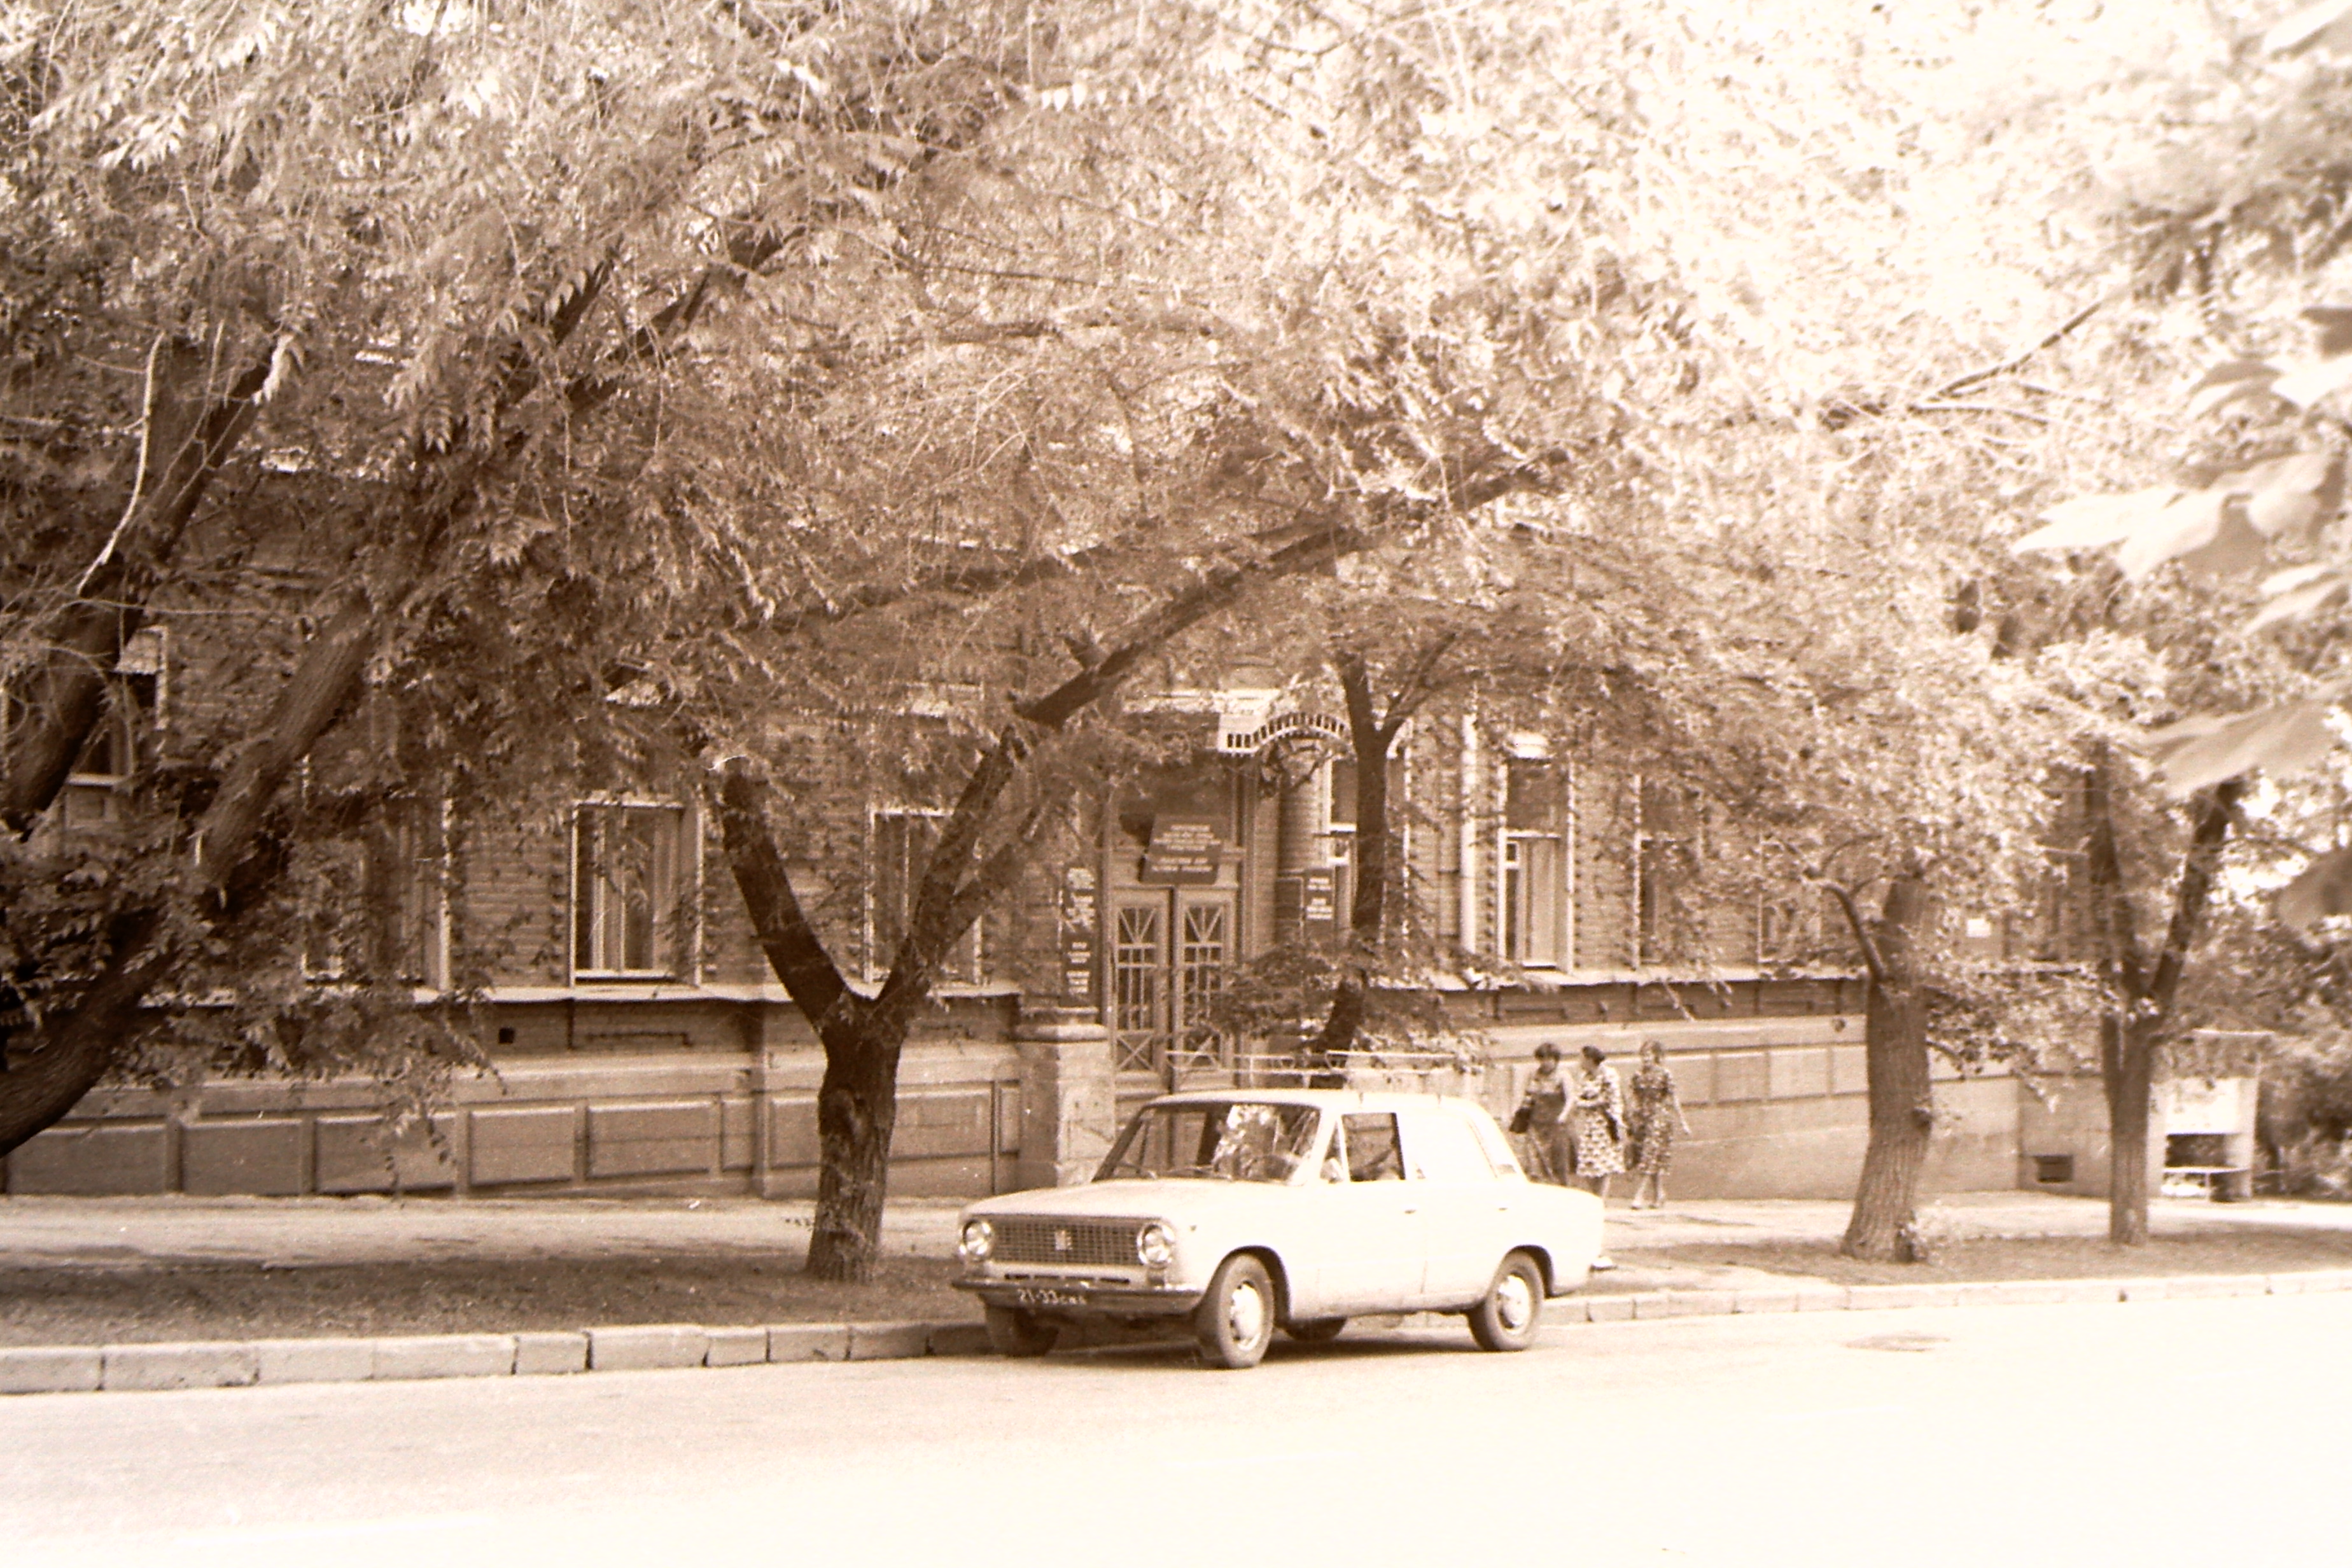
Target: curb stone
x: 737, y: 1347
x: 808, y: 1342
x: 315, y: 1360
x: 46, y: 1371
x: 148, y: 1369
x: 2090, y: 1289
x: 551, y: 1354
x: 68, y: 1369
x: 889, y: 1341
x: 444, y: 1356
x: 648, y: 1347
x: 1744, y: 1302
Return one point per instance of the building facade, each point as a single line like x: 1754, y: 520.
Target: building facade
x: 639, y: 1045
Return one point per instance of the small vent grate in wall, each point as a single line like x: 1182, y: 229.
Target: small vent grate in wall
x: 2053, y: 1168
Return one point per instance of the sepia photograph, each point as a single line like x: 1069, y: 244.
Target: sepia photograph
x: 773, y: 772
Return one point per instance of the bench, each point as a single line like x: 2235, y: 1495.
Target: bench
x: 2198, y: 1181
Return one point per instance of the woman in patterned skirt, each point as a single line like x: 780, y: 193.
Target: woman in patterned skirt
x: 1596, y: 1123
x: 1596, y: 1130
x: 1657, y: 1115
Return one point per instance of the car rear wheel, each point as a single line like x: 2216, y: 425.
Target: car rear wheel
x: 1512, y: 1309
x: 1015, y: 1332
x: 1315, y: 1330
x: 1235, y: 1322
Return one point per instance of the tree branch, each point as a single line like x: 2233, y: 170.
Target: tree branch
x: 793, y: 948
x: 1873, y: 959
x: 1958, y: 385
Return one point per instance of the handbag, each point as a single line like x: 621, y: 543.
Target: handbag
x: 1520, y: 1120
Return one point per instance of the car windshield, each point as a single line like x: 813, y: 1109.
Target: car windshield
x: 1225, y: 1140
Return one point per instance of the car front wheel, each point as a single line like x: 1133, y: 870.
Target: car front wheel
x: 1016, y: 1332
x: 1507, y: 1318
x: 1235, y: 1322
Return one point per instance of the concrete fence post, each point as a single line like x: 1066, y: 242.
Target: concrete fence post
x: 1069, y: 1105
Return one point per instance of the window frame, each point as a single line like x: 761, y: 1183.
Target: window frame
x: 1339, y: 838
x: 678, y: 958
x: 415, y: 861
x: 1533, y: 900
x: 137, y: 691
x: 1788, y: 912
x: 967, y: 962
x: 1688, y: 841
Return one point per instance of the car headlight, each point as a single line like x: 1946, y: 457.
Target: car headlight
x: 979, y: 1239
x: 1155, y: 1244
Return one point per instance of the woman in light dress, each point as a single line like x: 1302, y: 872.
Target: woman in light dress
x: 1596, y: 1130
x: 1596, y: 1123
x: 1657, y: 1116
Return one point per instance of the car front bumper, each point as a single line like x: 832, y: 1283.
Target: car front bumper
x: 1105, y: 1298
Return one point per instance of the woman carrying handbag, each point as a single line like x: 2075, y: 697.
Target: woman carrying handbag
x: 1541, y: 1120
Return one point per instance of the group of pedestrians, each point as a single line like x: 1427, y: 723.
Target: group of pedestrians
x: 1579, y: 1132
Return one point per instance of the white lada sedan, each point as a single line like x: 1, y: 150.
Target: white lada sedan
x: 1243, y: 1210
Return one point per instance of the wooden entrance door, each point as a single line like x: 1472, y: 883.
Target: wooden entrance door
x: 1170, y: 949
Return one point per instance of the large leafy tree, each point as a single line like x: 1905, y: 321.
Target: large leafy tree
x: 2231, y: 568
x: 378, y: 332
x: 1284, y: 298
x: 1894, y: 335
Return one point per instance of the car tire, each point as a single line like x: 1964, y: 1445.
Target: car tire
x: 1018, y: 1333
x: 1512, y: 1310
x: 1315, y: 1330
x: 1235, y: 1322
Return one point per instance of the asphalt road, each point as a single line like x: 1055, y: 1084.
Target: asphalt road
x: 2186, y: 1431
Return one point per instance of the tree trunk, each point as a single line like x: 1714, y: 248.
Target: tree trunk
x: 857, y: 1105
x: 72, y: 1049
x: 1370, y: 737
x: 1902, y: 1108
x: 2127, y: 1062
x: 2129, y: 1038
x: 856, y: 1111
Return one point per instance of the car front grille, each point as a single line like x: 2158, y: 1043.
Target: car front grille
x: 1095, y: 1243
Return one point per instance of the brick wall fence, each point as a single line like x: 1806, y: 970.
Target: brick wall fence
x: 709, y: 1095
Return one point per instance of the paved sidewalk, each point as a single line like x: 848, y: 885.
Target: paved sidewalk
x: 69, y: 1233
x: 288, y: 1231
x: 64, y: 1232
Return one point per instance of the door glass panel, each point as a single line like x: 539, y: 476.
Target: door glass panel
x: 1200, y: 977
x: 1139, y: 965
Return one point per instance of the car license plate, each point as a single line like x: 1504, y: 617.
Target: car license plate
x: 1032, y: 1296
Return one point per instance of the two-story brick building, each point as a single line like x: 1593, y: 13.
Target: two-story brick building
x: 640, y: 1043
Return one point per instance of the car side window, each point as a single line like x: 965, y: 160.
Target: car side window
x: 1444, y: 1148
x: 1373, y: 1154
x: 1498, y: 1148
